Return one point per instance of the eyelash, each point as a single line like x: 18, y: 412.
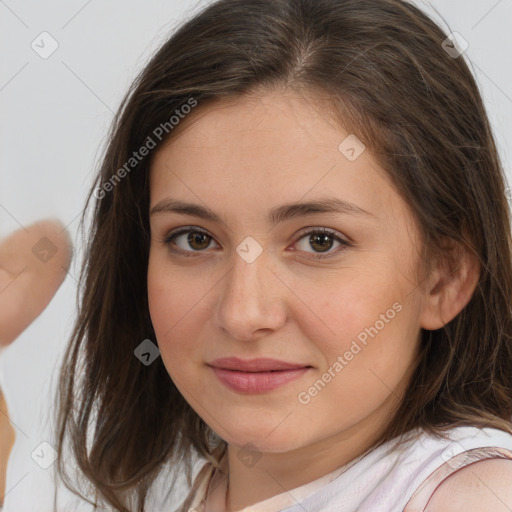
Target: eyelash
x: 168, y: 240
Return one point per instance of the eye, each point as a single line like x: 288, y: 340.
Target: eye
x: 195, y: 239
x: 322, y: 239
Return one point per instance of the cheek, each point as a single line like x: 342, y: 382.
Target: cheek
x: 174, y: 306
x: 339, y: 309
x: 370, y: 319
x: 168, y: 307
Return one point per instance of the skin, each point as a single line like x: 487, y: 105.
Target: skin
x: 240, y: 159
x: 314, y: 304
x: 485, y: 485
x: 7, y: 437
x: 27, y: 284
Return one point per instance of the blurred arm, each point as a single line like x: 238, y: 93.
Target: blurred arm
x: 33, y: 264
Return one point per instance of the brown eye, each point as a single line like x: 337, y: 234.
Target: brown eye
x: 197, y: 240
x: 322, y: 241
x: 188, y: 241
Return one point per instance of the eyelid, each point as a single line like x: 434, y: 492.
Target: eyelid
x: 322, y: 229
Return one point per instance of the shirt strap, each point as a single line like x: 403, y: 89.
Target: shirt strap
x: 424, y: 492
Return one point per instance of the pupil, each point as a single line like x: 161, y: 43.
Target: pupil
x: 197, y: 237
x: 321, y: 238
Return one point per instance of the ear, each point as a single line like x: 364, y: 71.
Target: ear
x: 450, y: 285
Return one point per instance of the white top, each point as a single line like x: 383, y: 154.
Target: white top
x: 376, y: 481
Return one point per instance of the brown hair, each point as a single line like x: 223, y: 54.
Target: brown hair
x: 382, y: 66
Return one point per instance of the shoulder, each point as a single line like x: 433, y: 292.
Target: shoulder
x: 483, y: 485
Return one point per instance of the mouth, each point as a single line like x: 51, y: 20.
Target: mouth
x: 256, y: 375
x: 262, y: 364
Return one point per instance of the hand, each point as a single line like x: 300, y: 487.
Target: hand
x: 33, y: 264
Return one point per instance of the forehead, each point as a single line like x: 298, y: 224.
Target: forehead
x: 284, y: 123
x: 266, y: 149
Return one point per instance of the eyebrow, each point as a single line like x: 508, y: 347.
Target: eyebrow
x: 275, y: 215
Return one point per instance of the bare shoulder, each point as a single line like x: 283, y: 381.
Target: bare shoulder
x: 482, y: 486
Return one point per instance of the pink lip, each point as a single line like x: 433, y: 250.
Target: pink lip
x: 256, y: 375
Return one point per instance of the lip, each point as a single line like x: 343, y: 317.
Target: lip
x: 260, y: 364
x: 256, y: 375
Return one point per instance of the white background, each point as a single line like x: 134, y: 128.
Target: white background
x: 54, y: 117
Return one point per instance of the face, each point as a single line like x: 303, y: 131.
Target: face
x: 333, y: 291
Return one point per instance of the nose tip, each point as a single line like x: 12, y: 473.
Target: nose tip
x: 250, y: 302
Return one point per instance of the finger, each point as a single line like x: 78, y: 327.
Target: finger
x: 33, y: 264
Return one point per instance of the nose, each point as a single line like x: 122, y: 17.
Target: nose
x: 251, y: 301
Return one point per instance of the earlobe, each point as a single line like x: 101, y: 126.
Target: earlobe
x: 450, y: 286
